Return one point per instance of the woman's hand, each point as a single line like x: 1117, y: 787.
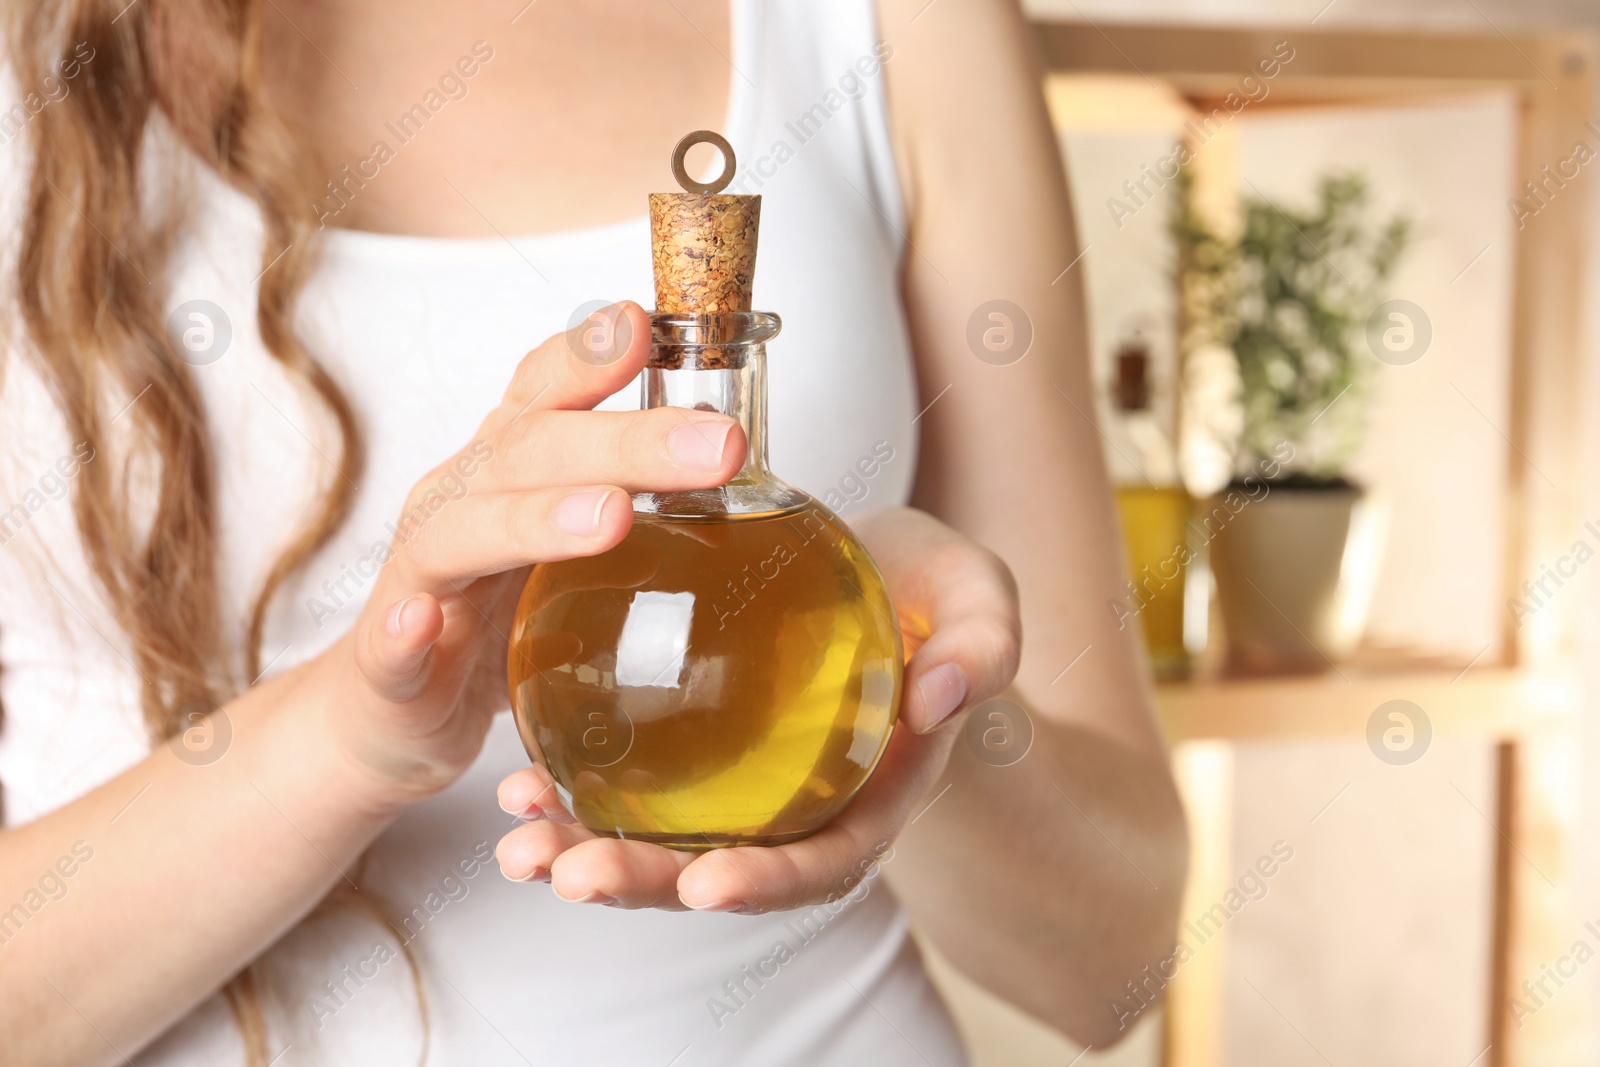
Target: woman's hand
x: 419, y: 675
x: 957, y: 607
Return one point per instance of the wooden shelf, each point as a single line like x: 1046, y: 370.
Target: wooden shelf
x: 1531, y: 716
x: 1328, y: 65
x: 1488, y: 702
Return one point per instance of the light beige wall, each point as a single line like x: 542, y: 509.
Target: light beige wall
x: 1371, y: 946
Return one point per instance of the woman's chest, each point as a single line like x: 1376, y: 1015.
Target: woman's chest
x: 509, y: 117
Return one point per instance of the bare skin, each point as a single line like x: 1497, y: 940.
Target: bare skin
x: 1052, y: 881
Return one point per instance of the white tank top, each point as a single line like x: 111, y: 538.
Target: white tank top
x: 423, y: 334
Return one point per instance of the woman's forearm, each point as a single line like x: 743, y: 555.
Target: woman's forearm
x: 122, y: 910
x: 1053, y: 880
x: 1063, y: 872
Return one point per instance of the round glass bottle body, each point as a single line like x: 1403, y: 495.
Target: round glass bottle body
x: 729, y: 673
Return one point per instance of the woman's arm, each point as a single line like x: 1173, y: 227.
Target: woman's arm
x: 1054, y: 880
x: 172, y: 877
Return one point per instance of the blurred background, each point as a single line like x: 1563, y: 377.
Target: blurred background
x: 1343, y: 329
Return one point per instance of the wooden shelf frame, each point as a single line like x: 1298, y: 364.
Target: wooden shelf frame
x: 1530, y: 703
x: 1488, y: 703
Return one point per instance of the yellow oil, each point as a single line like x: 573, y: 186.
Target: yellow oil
x: 709, y: 681
x: 1155, y: 535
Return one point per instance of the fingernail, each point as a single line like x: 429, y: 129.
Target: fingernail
x: 942, y: 690
x: 397, y: 617
x: 579, y: 513
x: 532, y: 813
x: 538, y: 874
x: 592, y: 898
x: 700, y: 444
x: 715, y: 905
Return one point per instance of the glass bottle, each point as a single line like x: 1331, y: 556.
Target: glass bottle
x: 1154, y: 508
x: 728, y: 674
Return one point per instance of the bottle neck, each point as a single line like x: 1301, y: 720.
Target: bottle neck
x: 735, y: 386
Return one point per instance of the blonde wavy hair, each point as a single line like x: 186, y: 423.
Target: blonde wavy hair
x: 89, y: 270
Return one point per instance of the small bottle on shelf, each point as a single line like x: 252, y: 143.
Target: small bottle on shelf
x: 1155, y: 509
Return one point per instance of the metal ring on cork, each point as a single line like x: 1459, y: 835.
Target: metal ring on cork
x: 717, y: 141
x: 703, y: 242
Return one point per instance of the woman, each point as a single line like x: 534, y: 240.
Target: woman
x: 273, y: 294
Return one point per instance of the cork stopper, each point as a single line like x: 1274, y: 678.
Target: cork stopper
x: 1132, y: 389
x: 703, y: 244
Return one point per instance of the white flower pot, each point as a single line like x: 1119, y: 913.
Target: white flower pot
x: 1294, y: 567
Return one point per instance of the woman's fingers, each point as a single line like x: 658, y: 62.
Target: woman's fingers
x: 529, y: 851
x: 580, y: 866
x: 581, y: 367
x: 958, y: 605
x: 393, y: 652
x: 530, y: 794
x: 625, y: 874
x: 831, y: 862
x: 967, y: 659
x: 661, y: 449
x: 586, y: 869
x: 489, y: 533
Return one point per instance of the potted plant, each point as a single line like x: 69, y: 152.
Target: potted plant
x: 1290, y: 297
